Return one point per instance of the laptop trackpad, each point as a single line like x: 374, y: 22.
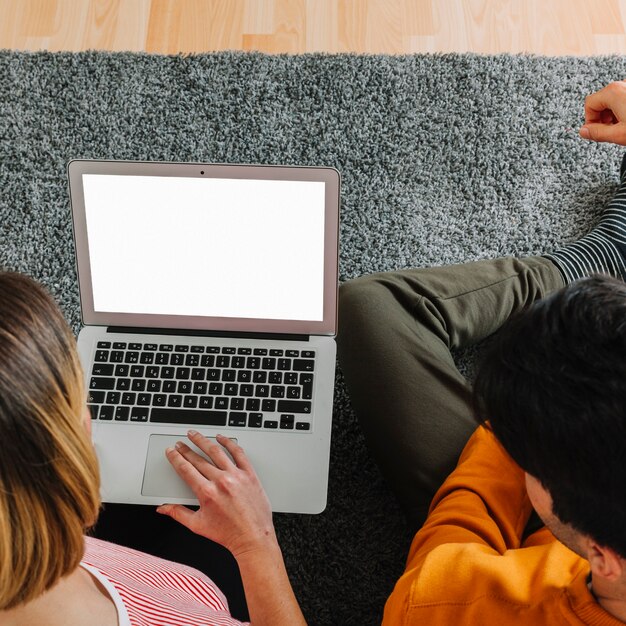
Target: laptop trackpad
x: 159, y: 477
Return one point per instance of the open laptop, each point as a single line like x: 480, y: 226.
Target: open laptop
x: 209, y: 301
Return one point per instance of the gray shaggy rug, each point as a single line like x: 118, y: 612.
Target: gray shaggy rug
x: 443, y: 159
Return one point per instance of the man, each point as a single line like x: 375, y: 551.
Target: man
x: 553, y: 389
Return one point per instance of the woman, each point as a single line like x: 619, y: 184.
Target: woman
x: 50, y: 573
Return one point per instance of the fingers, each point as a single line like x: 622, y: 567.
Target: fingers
x: 179, y: 513
x: 197, y: 471
x: 611, y: 98
x: 605, y: 114
x: 208, y: 469
x: 595, y: 104
x: 607, y: 117
x: 613, y: 133
x: 214, y: 451
x: 185, y: 469
x: 236, y: 451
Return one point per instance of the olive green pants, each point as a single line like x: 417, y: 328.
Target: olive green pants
x: 396, y: 334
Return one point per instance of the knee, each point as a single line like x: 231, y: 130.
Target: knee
x: 362, y: 299
x: 370, y: 310
x: 363, y: 306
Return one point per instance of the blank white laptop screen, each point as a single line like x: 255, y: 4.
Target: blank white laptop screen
x: 211, y: 247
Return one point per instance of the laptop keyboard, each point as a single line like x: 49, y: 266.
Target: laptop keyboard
x: 194, y: 385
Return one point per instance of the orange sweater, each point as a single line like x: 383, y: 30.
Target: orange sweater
x: 468, y: 565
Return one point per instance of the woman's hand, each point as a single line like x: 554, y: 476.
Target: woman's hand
x: 234, y: 509
x: 235, y: 512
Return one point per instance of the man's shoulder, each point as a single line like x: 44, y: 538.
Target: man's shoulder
x: 469, y: 580
x: 470, y: 570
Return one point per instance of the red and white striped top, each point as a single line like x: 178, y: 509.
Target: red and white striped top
x: 149, y: 591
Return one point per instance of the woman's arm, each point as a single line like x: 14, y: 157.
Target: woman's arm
x: 235, y: 512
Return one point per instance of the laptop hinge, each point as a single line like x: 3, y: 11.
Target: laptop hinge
x: 205, y: 333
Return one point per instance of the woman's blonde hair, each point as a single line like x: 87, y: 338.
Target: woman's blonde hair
x: 48, y: 470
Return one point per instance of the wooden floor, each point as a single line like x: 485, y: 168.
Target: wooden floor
x: 552, y: 27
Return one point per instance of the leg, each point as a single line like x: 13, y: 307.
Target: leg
x: 396, y: 333
x: 603, y: 250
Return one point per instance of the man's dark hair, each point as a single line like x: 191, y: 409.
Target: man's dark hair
x: 552, y: 385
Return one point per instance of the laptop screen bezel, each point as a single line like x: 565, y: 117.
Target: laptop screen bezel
x: 90, y: 317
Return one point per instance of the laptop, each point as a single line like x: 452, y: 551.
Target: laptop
x: 209, y: 302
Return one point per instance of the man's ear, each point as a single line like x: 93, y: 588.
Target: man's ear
x: 605, y: 562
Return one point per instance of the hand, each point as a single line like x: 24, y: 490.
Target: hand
x: 605, y: 114
x: 234, y: 509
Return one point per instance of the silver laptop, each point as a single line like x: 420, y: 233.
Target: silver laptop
x: 209, y: 301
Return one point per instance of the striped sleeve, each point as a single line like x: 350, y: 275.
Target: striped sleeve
x: 157, y: 592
